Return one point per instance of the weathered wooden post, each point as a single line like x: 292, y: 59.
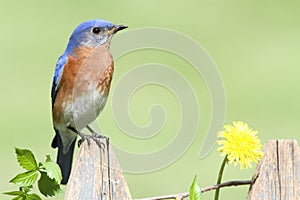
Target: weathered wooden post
x: 277, y: 176
x: 96, y: 174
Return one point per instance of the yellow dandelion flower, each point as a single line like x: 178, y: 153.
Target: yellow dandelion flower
x: 240, y: 144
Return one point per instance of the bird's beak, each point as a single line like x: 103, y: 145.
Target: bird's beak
x: 115, y: 29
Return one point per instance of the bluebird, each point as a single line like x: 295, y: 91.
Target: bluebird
x: 81, y: 85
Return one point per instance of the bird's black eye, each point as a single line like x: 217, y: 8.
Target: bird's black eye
x: 96, y: 30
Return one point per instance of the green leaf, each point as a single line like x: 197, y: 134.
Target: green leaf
x: 25, y: 179
x: 195, y: 191
x: 52, y: 169
x: 19, y: 198
x: 15, y: 193
x: 26, y: 159
x: 33, y: 197
x: 48, y: 186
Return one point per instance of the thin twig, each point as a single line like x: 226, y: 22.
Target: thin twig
x: 170, y: 196
x: 205, y: 189
x: 226, y: 184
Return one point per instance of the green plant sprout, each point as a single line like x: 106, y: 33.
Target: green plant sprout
x: 47, y: 175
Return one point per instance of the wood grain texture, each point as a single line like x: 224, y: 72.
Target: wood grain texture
x: 277, y: 176
x: 95, y: 175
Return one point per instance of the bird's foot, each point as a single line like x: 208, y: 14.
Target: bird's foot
x: 82, y: 135
x: 83, y: 138
x: 96, y: 135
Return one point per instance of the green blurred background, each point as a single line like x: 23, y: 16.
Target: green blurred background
x: 255, y: 44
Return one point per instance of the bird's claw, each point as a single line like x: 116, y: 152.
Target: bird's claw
x: 96, y: 137
x: 83, y: 138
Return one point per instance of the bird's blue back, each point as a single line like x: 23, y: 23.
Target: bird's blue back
x: 57, y: 75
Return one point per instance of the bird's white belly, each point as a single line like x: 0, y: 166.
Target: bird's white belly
x: 84, y: 109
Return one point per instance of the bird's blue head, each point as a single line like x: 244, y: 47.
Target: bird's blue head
x: 92, y: 33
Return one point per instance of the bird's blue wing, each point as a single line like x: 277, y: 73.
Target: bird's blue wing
x: 57, y: 76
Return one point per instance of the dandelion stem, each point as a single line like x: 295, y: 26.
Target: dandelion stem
x: 220, y: 178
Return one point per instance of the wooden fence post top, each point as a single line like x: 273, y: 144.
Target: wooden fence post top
x: 277, y: 176
x: 96, y: 174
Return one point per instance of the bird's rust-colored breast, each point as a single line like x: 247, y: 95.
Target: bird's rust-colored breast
x: 103, y: 85
x: 89, y: 68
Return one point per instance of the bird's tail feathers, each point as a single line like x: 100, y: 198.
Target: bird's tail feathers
x: 64, y: 159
